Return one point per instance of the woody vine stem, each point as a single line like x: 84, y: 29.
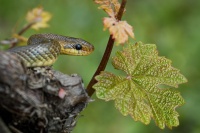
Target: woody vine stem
x: 107, y: 53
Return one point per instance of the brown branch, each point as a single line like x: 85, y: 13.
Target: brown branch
x: 25, y: 28
x: 121, y: 10
x: 15, y: 41
x: 107, y: 53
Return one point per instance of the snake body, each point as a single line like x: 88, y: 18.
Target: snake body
x: 43, y: 49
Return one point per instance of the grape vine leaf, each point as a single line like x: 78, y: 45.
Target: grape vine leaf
x: 139, y: 93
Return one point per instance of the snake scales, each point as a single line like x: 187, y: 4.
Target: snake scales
x: 43, y: 49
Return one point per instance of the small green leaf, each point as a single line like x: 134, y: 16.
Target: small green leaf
x: 138, y: 93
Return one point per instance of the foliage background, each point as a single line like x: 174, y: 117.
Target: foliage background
x: 173, y: 25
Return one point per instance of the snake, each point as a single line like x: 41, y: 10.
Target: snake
x: 44, y: 49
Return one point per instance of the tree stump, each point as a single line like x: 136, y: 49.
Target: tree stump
x: 38, y: 100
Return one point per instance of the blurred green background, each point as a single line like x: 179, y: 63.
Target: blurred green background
x: 174, y: 25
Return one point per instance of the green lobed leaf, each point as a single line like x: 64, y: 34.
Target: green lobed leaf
x: 138, y: 93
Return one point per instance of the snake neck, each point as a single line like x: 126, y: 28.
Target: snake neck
x: 36, y: 55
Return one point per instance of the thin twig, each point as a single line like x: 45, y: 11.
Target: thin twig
x: 107, y: 53
x: 15, y: 41
x: 25, y: 28
x: 121, y: 10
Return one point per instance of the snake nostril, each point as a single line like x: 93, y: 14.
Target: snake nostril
x: 78, y: 46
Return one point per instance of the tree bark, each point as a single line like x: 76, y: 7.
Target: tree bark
x: 38, y: 100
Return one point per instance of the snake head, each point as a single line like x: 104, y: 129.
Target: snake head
x: 76, y: 46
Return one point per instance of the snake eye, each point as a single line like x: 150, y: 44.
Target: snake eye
x: 78, y: 46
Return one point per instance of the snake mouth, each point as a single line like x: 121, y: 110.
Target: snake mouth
x: 79, y: 52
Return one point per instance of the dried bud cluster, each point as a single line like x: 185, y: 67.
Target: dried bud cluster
x: 120, y: 30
